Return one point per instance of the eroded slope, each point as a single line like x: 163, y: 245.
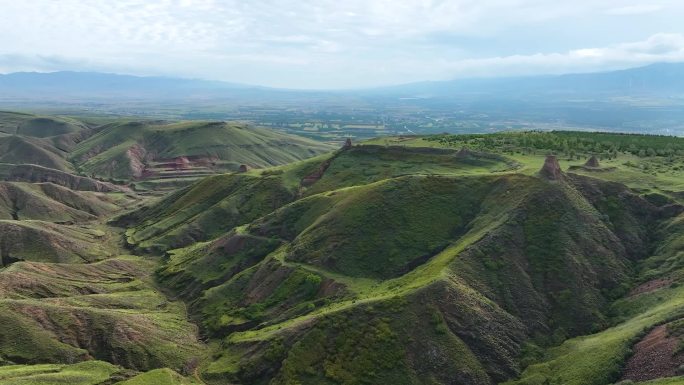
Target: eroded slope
x: 482, y: 267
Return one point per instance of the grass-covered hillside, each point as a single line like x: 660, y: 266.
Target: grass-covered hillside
x: 167, y: 151
x: 417, y: 260
x: 433, y: 260
x: 32, y: 173
x: 155, y: 155
x: 647, y: 163
x: 216, y: 204
x: 75, y: 308
x: 51, y: 202
x: 35, y: 151
x: 16, y: 123
x: 39, y: 140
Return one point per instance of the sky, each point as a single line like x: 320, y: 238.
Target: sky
x: 341, y: 44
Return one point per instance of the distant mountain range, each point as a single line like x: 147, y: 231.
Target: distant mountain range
x: 104, y: 85
x: 661, y: 79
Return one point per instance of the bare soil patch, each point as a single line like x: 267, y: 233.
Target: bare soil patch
x: 654, y: 357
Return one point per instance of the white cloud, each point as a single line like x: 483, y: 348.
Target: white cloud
x: 637, y: 9
x: 329, y: 43
x: 657, y: 48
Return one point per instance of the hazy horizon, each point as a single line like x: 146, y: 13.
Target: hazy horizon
x: 327, y: 45
x: 359, y: 88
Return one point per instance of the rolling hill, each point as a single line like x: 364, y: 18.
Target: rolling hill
x: 154, y: 154
x: 426, y: 264
x: 27, y: 150
x: 170, y: 150
x: 47, y: 201
x: 217, y: 204
x: 38, y: 126
x: 41, y: 241
x: 75, y: 308
x: 32, y: 173
x: 119, y: 317
x: 513, y: 258
x: 27, y: 139
x: 50, y: 223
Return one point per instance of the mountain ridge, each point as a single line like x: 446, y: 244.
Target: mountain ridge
x: 348, y: 269
x: 656, y: 77
x: 478, y: 259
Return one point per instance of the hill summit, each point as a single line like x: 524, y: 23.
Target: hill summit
x: 551, y: 168
x: 592, y: 162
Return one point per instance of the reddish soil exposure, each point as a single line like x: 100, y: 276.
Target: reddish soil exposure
x: 181, y: 163
x: 330, y: 288
x: 136, y: 154
x: 187, y: 162
x: 230, y: 245
x: 650, y: 286
x: 653, y: 357
x: 316, y: 175
x: 551, y: 168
